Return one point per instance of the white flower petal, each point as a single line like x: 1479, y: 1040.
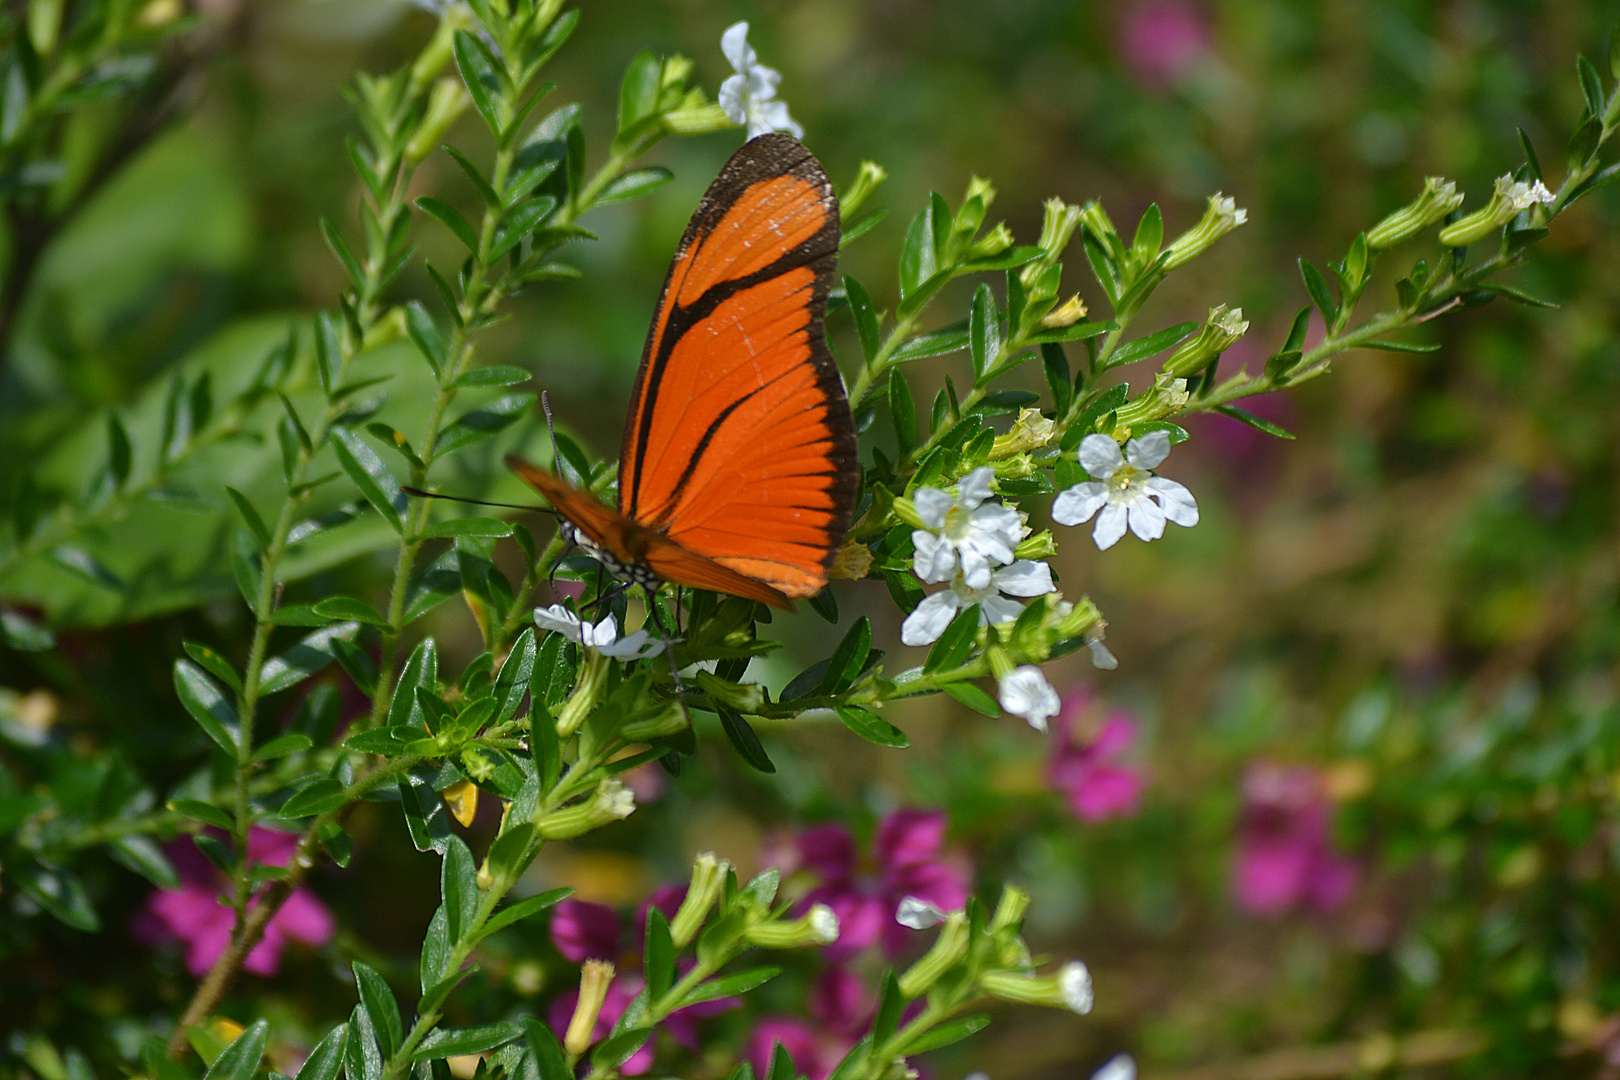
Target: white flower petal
x: 1101, y: 658
x: 768, y: 116
x: 1077, y: 504
x: 996, y: 530
x: 733, y: 98
x: 1110, y: 526
x: 1119, y: 1067
x: 924, y: 625
x: 1147, y: 520
x: 734, y: 43
x: 1025, y: 577
x: 996, y: 609
x: 1177, y: 502
x: 934, y: 559
x: 1075, y: 980
x: 976, y: 565
x: 1026, y: 693
x: 1099, y: 456
x: 932, y: 506
x: 1146, y: 451
x: 636, y: 646
x: 975, y: 487
x: 915, y: 913
x: 559, y: 618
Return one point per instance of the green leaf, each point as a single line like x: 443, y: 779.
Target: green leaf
x: 216, y: 664
x: 362, y: 1059
x: 745, y: 742
x: 118, y: 451
x: 482, y: 423
x: 142, y: 855
x: 424, y: 334
x: 449, y: 216
x: 918, y: 261
x: 633, y: 185
x: 241, y: 1059
x: 347, y: 607
x: 458, y: 885
x: 326, y: 1059
x: 1508, y: 292
x: 1387, y: 345
x: 523, y: 909
x: 890, y: 1004
x: 946, y: 1034
x: 282, y: 746
x: 1316, y: 287
x: 1530, y: 155
x: 370, y: 475
x: 340, y: 248
x: 336, y: 842
x: 58, y: 892
x: 638, y: 92
x: 1152, y: 345
x: 1253, y: 421
x: 953, y: 338
x: 388, y: 741
x: 77, y: 560
x: 381, y: 1006
x: 854, y: 232
x: 619, y: 1048
x: 432, y: 585
x: 974, y: 698
x: 871, y: 728
x: 304, y: 659
x: 866, y: 318
x: 544, y: 1048
x: 508, y: 855
x: 484, y: 76
x: 435, y: 962
x: 518, y: 223
x: 659, y: 954
x: 315, y: 798
x: 902, y: 411
x: 849, y: 658
x: 1591, y: 85
x: 495, y: 376
x: 516, y: 674
x: 207, y: 813
x: 217, y: 852
x: 984, y: 330
x: 421, y: 671
x: 453, y: 1042
x: 328, y: 352
x: 425, y: 816
x: 1059, y: 379
x: 956, y: 644
x: 203, y: 700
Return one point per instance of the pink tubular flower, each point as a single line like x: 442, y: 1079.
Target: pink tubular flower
x: 842, y: 1009
x: 1161, y: 39
x: 908, y: 862
x: 1085, y: 767
x: 1284, y: 852
x: 197, y: 915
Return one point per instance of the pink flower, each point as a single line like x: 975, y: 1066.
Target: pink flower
x: 196, y: 913
x: 908, y: 861
x: 1084, y: 766
x: 1284, y: 854
x: 584, y: 931
x: 842, y: 1009
x: 1161, y: 39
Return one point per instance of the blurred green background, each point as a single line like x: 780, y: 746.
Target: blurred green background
x: 1418, y: 595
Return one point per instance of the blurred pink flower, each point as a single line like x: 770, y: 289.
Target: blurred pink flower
x: 1085, y: 766
x: 1161, y: 39
x: 1284, y: 848
x: 841, y: 1008
x: 196, y: 913
x: 907, y: 860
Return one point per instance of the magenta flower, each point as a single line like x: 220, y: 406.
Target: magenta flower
x: 1085, y: 766
x: 1284, y: 849
x: 841, y: 1008
x: 907, y: 861
x: 1161, y: 39
x: 197, y: 913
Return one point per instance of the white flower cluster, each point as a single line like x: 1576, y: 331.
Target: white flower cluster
x: 602, y: 636
x: 749, y: 97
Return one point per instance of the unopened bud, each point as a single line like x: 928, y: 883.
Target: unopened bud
x: 673, y: 77
x: 1220, y: 217
x: 611, y: 802
x: 663, y: 719
x: 1096, y: 220
x: 594, y: 980
x: 446, y: 102
x: 944, y: 954
x: 1056, y: 228
x: 697, y: 120
x: 1009, y: 909
x: 738, y: 697
x: 992, y: 243
x: 1030, y: 431
x: 818, y: 926
x: 708, y: 882
x: 1036, y: 547
x: 587, y: 693
x: 1510, y: 198
x: 1439, y: 198
x: 1068, y: 988
x: 866, y: 181
x: 1220, y: 330
x: 906, y: 511
x: 1071, y: 312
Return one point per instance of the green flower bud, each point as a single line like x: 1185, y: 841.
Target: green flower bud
x: 594, y: 979
x: 1009, y: 909
x: 1037, y: 547
x: 866, y: 181
x: 697, y: 119
x: 1220, y: 217
x: 1068, y: 988
x: 1439, y: 198
x: 1072, y: 311
x: 1168, y: 395
x: 447, y: 101
x: 1076, y: 619
x: 947, y: 951
x: 1220, y: 330
x: 611, y: 802
x: 673, y: 77
x: 1056, y: 228
x: 665, y: 718
x: 992, y: 243
x: 1096, y: 220
x: 980, y: 194
x: 587, y: 692
x: 738, y: 697
x: 818, y: 926
x: 708, y: 882
x: 906, y: 511
x: 1509, y: 199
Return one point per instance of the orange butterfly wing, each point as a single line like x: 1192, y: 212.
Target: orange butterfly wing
x: 739, y: 446
x: 631, y: 542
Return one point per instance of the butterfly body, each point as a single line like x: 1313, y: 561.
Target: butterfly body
x: 738, y: 470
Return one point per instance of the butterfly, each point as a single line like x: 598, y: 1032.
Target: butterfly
x: 738, y: 471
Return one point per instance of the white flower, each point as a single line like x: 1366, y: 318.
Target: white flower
x: 915, y: 913
x: 602, y: 636
x: 824, y: 924
x: 1025, y: 692
x: 1075, y: 979
x: 1523, y: 194
x: 965, y: 532
x: 749, y: 97
x: 1125, y: 491
x: 614, y: 800
x: 1119, y: 1067
x: 1023, y: 578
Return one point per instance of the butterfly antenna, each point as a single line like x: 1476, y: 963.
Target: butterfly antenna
x: 420, y: 494
x: 551, y: 429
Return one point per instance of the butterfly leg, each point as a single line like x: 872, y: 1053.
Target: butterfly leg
x: 669, y: 642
